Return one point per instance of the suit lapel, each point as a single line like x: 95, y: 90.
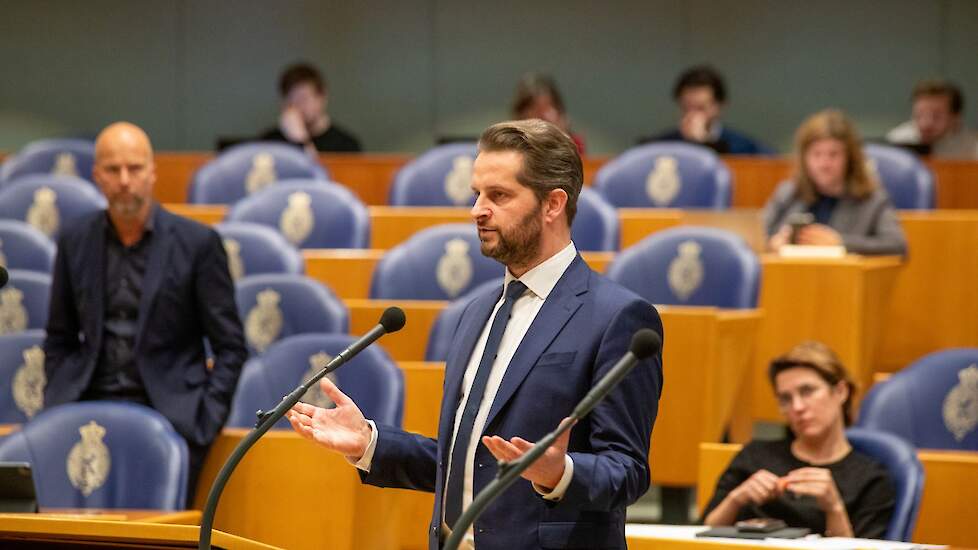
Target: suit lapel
x: 160, y: 251
x: 563, y: 301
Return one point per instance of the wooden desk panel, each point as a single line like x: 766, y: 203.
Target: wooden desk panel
x: 391, y: 225
x: 754, y: 178
x: 947, y: 511
x: 957, y: 183
x: 207, y: 214
x: 409, y: 343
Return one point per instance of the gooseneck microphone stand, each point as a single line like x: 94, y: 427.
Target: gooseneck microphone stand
x: 392, y: 320
x: 645, y: 343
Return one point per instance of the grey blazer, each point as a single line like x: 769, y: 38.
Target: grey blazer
x: 868, y: 226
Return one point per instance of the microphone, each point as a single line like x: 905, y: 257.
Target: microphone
x: 645, y: 343
x: 4, y: 276
x: 392, y: 320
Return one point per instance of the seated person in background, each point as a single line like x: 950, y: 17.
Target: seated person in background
x: 537, y: 96
x: 813, y: 478
x: 936, y: 126
x: 831, y: 182
x: 304, y: 120
x: 701, y: 94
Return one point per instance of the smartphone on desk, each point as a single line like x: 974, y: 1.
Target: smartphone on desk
x: 797, y: 221
x: 760, y: 525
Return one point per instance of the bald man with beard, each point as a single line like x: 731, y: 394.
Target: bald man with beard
x: 135, y: 292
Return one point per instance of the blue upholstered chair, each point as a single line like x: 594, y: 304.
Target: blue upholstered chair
x: 596, y: 226
x: 24, y: 301
x: 308, y: 213
x: 371, y: 379
x: 690, y: 266
x: 69, y: 157
x: 102, y: 454
x: 443, y: 329
x: 929, y: 403
x: 900, y: 460
x: 908, y: 182
x: 254, y: 249
x: 248, y: 168
x: 48, y: 202
x: 275, y: 305
x: 439, y: 263
x: 23, y: 247
x: 667, y: 174
x: 441, y: 176
x: 22, y: 378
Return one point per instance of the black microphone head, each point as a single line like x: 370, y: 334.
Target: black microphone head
x: 645, y: 343
x: 4, y: 277
x: 393, y: 319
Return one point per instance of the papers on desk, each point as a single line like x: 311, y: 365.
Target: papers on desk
x: 811, y: 251
x: 811, y: 542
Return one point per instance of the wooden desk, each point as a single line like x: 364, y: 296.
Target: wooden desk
x: 947, y: 509
x: 266, y: 498
x: 638, y: 223
x: 843, y: 303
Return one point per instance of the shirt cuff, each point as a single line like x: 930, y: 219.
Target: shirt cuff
x: 558, y: 492
x: 368, y: 455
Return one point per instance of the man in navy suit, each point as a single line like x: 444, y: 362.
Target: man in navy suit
x: 523, y: 354
x: 135, y: 292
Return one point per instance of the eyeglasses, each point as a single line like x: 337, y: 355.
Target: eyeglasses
x: 805, y: 392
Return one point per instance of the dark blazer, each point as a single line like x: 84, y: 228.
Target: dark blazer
x: 187, y: 295
x: 868, y: 226
x: 731, y: 142
x: 581, y: 331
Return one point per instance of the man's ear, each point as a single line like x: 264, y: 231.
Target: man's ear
x: 554, y: 204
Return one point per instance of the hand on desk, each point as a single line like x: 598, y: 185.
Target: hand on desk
x: 818, y: 234
x: 817, y: 483
x: 342, y: 429
x: 761, y: 487
x: 546, y: 471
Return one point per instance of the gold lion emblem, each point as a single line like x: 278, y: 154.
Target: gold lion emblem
x: 262, y: 173
x: 454, y: 271
x: 89, y: 460
x: 29, y: 382
x: 13, y: 315
x: 65, y: 165
x: 43, y: 214
x: 315, y: 395
x: 297, y: 219
x: 686, y: 270
x: 458, y: 182
x: 264, y: 322
x: 235, y: 265
x: 662, y: 184
x: 961, y: 404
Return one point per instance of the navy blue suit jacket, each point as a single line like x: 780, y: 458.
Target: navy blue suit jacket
x: 731, y: 142
x: 582, y: 330
x: 187, y: 295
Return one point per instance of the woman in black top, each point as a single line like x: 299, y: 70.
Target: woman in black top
x: 813, y: 478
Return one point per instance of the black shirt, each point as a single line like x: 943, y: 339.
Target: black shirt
x: 863, y: 484
x: 335, y: 140
x: 116, y: 375
x: 822, y: 208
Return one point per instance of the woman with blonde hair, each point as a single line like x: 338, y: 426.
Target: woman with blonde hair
x: 812, y: 478
x: 832, y: 198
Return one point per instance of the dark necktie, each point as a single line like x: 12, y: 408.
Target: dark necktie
x: 456, y: 480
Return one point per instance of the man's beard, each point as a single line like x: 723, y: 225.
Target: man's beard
x: 518, y: 245
x: 127, y: 207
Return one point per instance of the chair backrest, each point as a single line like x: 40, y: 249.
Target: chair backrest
x: 308, y: 213
x: 441, y: 176
x: 371, y: 379
x: 245, y: 169
x: 907, y: 180
x: 273, y: 306
x: 255, y: 249
x: 24, y: 301
x: 667, y: 174
x: 690, y: 266
x: 443, y: 329
x: 48, y: 202
x: 22, y: 377
x: 102, y: 454
x: 67, y: 157
x: 900, y: 460
x: 931, y: 403
x: 23, y: 247
x: 596, y: 225
x: 441, y: 262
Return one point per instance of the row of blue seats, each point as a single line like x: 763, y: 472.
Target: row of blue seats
x: 664, y: 174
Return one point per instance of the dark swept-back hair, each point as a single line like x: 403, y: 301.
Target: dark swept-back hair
x: 532, y: 86
x: 826, y: 364
x: 300, y: 73
x: 941, y: 87
x: 550, y: 157
x: 701, y: 75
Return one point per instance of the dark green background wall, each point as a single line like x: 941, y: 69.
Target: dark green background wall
x: 404, y: 72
